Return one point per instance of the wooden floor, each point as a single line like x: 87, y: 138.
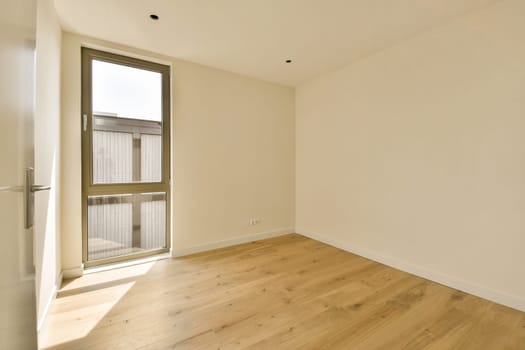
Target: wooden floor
x: 288, y: 292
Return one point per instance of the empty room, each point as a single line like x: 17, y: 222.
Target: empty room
x: 262, y: 174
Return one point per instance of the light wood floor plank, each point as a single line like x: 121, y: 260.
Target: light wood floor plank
x: 287, y: 292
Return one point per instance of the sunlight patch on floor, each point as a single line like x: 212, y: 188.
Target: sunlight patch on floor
x: 86, y: 317
x: 93, y: 296
x: 92, y: 279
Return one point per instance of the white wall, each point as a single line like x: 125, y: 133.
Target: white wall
x: 232, y: 153
x: 415, y: 156
x: 47, y: 155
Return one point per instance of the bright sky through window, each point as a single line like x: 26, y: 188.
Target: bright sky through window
x: 126, y: 91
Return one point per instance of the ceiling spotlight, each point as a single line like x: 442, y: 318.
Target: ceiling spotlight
x: 288, y: 61
x: 154, y: 17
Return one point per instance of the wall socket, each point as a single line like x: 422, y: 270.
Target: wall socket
x: 254, y: 222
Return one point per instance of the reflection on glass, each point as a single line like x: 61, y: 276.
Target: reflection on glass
x: 124, y: 224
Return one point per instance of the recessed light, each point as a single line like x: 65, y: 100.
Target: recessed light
x: 288, y: 61
x: 154, y: 17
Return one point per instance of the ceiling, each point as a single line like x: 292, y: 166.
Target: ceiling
x: 255, y: 37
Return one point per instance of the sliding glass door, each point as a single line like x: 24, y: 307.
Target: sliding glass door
x: 125, y: 157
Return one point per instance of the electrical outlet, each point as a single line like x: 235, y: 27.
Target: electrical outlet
x: 254, y: 222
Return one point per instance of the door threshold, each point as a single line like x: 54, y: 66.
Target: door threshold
x: 122, y: 264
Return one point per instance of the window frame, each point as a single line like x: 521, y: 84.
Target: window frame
x: 92, y: 189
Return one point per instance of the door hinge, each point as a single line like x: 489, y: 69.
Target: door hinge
x: 84, y: 122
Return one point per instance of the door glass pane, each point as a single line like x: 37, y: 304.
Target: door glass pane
x: 127, y: 124
x: 123, y: 224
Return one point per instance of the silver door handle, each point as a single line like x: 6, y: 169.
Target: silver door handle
x: 30, y: 190
x: 36, y: 188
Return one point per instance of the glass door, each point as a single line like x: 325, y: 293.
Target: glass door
x: 125, y: 157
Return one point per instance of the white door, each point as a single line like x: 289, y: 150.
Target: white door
x: 17, y: 278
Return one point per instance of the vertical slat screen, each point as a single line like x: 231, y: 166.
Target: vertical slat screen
x: 112, y: 157
x: 153, y: 224
x: 151, y: 158
x: 110, y: 228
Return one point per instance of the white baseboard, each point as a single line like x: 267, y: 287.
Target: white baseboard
x: 230, y: 242
x: 50, y: 301
x: 73, y: 272
x: 513, y: 301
